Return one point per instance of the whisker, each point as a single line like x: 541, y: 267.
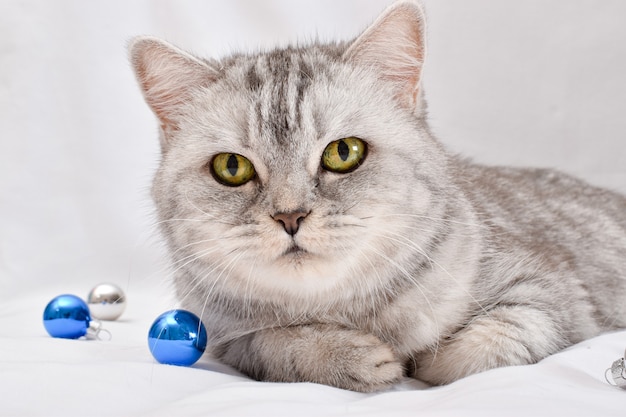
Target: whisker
x: 178, y: 220
x: 434, y: 219
x: 412, y: 279
x: 180, y: 263
x: 381, y: 282
x: 209, y: 215
x: 199, y: 279
x: 226, y: 270
x: 410, y: 244
x: 247, y: 295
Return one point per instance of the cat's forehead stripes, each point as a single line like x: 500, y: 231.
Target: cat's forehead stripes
x: 279, y: 81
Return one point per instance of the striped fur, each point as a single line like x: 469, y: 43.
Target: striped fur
x: 417, y: 262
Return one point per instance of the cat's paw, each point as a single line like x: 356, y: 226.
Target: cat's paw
x: 320, y: 353
x: 356, y: 361
x: 487, y: 343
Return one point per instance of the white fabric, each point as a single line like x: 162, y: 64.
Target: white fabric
x: 40, y: 375
x: 509, y: 82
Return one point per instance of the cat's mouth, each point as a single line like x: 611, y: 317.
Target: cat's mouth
x: 295, y: 250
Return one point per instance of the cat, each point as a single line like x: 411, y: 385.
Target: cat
x: 323, y: 234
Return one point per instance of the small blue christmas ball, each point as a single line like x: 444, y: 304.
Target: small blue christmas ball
x: 177, y: 337
x: 67, y: 317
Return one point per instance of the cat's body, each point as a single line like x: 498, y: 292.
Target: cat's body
x: 324, y: 235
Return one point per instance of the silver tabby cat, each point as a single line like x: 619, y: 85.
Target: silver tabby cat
x: 323, y: 234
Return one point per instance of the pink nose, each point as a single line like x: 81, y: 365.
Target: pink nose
x: 290, y: 221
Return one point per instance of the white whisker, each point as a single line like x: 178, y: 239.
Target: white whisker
x: 411, y: 279
x: 433, y: 219
x: 224, y: 273
x: 198, y: 279
x: 213, y: 218
x: 409, y: 243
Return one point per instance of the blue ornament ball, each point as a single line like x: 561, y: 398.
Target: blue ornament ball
x: 177, y: 337
x: 67, y: 317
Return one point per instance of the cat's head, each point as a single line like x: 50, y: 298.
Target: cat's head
x: 297, y: 171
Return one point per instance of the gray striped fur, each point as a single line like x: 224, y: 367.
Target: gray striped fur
x: 418, y: 262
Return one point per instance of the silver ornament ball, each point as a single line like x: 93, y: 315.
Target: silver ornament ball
x: 106, y: 301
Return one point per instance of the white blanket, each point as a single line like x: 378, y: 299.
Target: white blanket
x: 41, y: 375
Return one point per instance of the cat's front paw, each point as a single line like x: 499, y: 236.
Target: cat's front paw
x: 355, y: 361
x: 492, y: 341
x: 320, y: 353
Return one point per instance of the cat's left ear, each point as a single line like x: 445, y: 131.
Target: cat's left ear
x: 169, y: 78
x: 394, y: 46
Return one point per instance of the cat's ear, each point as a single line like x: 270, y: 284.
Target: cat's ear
x: 168, y: 77
x: 394, y: 45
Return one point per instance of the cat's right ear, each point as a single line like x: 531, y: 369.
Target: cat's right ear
x: 168, y: 77
x: 395, y: 47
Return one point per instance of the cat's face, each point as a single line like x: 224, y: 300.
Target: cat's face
x: 296, y: 171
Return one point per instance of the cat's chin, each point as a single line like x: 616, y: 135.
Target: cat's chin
x: 298, y: 271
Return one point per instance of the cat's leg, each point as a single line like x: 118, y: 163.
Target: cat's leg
x: 319, y: 353
x: 504, y: 336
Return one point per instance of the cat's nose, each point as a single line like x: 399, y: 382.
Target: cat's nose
x: 290, y: 221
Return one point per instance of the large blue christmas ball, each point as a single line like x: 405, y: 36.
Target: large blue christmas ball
x: 177, y: 337
x: 66, y: 316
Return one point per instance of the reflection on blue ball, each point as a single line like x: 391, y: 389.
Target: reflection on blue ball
x: 177, y: 337
x: 66, y: 316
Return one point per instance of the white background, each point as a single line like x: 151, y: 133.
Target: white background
x: 533, y: 82
x: 523, y: 82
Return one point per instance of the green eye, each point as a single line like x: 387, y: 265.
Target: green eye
x: 344, y: 155
x: 232, y: 169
